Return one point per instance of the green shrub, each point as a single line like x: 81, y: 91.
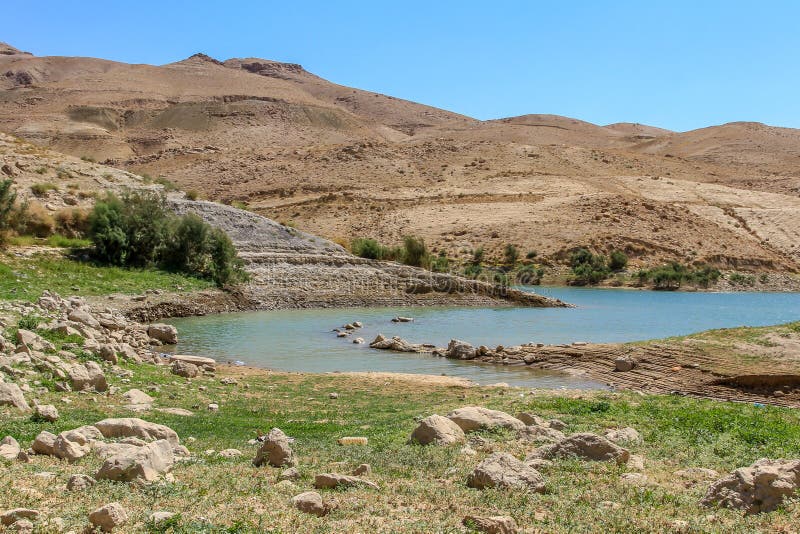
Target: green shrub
x: 8, y: 198
x: 510, y: 255
x: 415, y: 253
x: 530, y: 275
x: 531, y: 254
x: 441, y: 263
x: 168, y: 184
x: 368, y: 248
x: 192, y: 194
x: 477, y: 256
x: 672, y: 275
x: 740, y: 279
x: 138, y: 231
x: 588, y: 268
x: 617, y: 261
x: 41, y: 189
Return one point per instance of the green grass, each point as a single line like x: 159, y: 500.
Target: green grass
x: 57, y: 240
x: 422, y: 488
x: 26, y: 278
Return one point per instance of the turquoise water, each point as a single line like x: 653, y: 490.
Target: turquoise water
x: 301, y: 340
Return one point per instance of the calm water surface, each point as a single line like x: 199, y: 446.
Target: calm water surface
x: 301, y: 340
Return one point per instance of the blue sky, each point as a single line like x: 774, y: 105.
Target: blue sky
x: 679, y: 65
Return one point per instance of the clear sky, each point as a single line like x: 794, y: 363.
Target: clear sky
x: 675, y: 64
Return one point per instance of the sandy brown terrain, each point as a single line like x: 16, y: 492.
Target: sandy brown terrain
x: 344, y: 163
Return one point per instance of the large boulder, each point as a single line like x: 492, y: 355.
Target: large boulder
x: 46, y: 412
x: 127, y: 427
x: 310, y: 502
x: 137, y: 399
x: 502, y: 470
x: 33, y: 341
x: 437, y: 430
x: 11, y: 395
x: 165, y: 333
x: 185, y: 369
x: 9, y: 448
x: 146, y: 463
x: 84, y: 317
x: 72, y: 445
x: 471, y: 418
x: 44, y: 443
x: 623, y: 435
x: 87, y: 376
x: 276, y: 450
x: 761, y: 487
x: 109, y: 517
x: 460, y: 350
x: 586, y: 446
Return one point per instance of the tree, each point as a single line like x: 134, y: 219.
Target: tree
x: 8, y: 198
x: 416, y: 253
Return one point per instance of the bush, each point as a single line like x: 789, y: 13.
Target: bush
x: 588, y: 268
x: 531, y: 254
x: 739, y: 279
x: 441, y: 263
x: 511, y: 255
x: 415, y: 252
x: 530, y: 275
x: 72, y: 223
x: 477, y: 256
x: 137, y: 230
x: 192, y: 194
x: 367, y: 248
x: 8, y: 198
x: 672, y: 275
x: 41, y: 189
x: 617, y: 261
x: 35, y: 220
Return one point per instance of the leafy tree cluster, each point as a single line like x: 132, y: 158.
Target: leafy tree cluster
x: 672, y: 275
x: 137, y: 230
x: 590, y: 269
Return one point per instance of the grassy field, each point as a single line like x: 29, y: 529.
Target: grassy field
x: 25, y: 277
x: 422, y: 489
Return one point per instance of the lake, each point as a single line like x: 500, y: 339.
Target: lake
x: 302, y: 340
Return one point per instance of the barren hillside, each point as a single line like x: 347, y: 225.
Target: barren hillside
x: 344, y: 163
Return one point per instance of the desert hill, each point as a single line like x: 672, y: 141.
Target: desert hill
x: 343, y: 163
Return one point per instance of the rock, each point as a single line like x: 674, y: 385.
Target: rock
x: 359, y: 341
x: 634, y: 479
x: 109, y: 517
x: 229, y: 453
x: 33, y: 341
x: 72, y: 445
x: 540, y: 433
x: 185, y: 369
x: 557, y: 424
x: 108, y: 353
x: 624, y: 364
x: 12, y: 516
x: 107, y: 450
x: 289, y: 474
x: 310, y: 502
x: 139, y: 428
x: 44, y: 443
x: 437, y: 430
x: 213, y: 407
x: 333, y: 395
x: 636, y: 462
x: 164, y: 333
x: 275, y: 451
x: 23, y: 526
x: 501, y: 470
x: 357, y: 324
x: 146, y: 463
x: 538, y: 463
x: 400, y: 319
x: 136, y: 397
x: 396, y: 344
x: 80, y: 482
x: 84, y: 317
x: 200, y: 361
x: 471, y: 418
x: 9, y: 448
x: 623, y: 435
x: 460, y: 350
x: 11, y: 395
x: 335, y: 480
x: 176, y: 411
x: 586, y: 446
x: 46, y: 412
x: 499, y: 524
x: 362, y: 469
x: 760, y: 487
x: 157, y: 518
x: 87, y: 376
x: 531, y: 419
